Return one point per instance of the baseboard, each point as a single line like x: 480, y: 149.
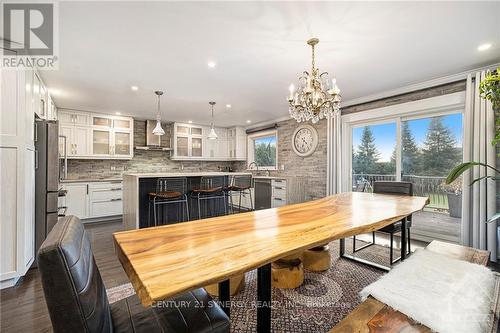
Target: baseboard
x: 102, y: 219
x: 9, y: 282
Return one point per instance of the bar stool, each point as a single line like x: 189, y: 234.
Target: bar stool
x: 241, y: 184
x: 169, y: 191
x: 211, y: 189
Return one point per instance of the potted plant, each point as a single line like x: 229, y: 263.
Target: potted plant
x: 454, y: 194
x: 490, y: 90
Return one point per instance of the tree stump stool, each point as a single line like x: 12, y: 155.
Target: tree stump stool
x: 288, y: 272
x: 236, y: 284
x: 317, y: 259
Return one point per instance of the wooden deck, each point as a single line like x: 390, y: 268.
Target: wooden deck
x: 428, y: 225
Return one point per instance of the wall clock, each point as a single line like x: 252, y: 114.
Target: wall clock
x: 304, y: 140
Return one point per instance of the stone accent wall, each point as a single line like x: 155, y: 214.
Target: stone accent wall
x: 444, y: 89
x: 143, y: 160
x: 312, y: 168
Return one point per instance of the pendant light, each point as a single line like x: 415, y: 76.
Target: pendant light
x: 158, y: 130
x: 212, y: 135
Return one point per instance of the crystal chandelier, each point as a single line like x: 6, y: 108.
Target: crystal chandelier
x: 317, y: 96
x: 158, y: 130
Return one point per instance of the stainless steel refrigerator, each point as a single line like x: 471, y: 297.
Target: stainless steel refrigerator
x: 46, y: 178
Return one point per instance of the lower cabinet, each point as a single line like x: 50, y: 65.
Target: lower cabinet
x: 246, y: 201
x: 93, y: 200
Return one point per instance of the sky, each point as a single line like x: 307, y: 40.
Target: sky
x: 385, y: 134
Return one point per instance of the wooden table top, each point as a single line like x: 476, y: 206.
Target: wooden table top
x: 167, y: 260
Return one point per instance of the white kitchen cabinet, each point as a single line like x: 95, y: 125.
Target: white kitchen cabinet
x: 70, y: 117
x: 77, y: 141
x: 229, y: 145
x: 94, y: 135
x: 237, y: 143
x: 51, y: 109
x: 189, y: 141
x: 17, y: 168
x: 76, y: 199
x: 93, y: 200
x: 278, y: 192
x: 105, y: 199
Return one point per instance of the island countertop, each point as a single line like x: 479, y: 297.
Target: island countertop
x: 183, y: 174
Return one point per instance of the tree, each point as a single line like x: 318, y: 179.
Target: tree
x: 439, y: 153
x: 265, y: 154
x: 410, y: 154
x: 367, y: 155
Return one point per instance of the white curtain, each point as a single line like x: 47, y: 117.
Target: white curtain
x: 334, y: 153
x: 479, y: 200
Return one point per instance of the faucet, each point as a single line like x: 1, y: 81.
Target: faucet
x: 256, y: 166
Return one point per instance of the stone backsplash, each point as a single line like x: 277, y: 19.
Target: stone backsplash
x: 143, y: 160
x: 312, y: 168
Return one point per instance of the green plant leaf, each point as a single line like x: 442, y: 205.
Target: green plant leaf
x: 495, y: 217
x: 461, y: 168
x: 484, y: 177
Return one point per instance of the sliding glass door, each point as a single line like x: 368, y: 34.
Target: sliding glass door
x: 373, y: 154
x: 430, y: 148
x: 421, y: 150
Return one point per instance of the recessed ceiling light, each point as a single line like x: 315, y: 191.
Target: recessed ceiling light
x: 134, y: 88
x: 484, y: 47
x: 249, y: 121
x: 118, y: 113
x: 211, y: 64
x: 228, y: 106
x: 190, y: 121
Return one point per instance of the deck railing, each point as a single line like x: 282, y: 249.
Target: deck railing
x: 422, y: 186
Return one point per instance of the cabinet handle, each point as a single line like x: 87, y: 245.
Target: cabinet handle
x: 278, y: 188
x: 36, y: 159
x: 115, y: 189
x: 117, y: 199
x: 279, y: 199
x: 87, y: 189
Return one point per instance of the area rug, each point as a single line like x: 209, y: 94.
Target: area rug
x: 316, y: 306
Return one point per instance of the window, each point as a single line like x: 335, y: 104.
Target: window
x: 262, y: 149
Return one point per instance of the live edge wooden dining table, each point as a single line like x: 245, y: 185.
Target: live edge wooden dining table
x: 167, y: 260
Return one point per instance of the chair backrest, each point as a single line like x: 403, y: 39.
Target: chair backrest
x: 213, y: 182
x: 242, y: 181
x: 386, y: 187
x: 360, y: 187
x: 73, y: 288
x: 175, y: 184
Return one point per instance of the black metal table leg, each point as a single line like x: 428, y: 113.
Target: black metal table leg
x: 357, y: 259
x: 224, y: 296
x: 403, y: 239
x: 264, y: 299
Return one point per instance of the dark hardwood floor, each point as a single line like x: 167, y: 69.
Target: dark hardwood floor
x: 23, y: 308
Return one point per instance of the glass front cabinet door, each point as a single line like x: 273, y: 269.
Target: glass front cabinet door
x: 122, y: 143
x: 101, y: 142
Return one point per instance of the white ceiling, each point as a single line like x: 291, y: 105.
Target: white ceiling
x: 259, y: 48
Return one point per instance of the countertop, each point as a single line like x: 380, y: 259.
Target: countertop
x: 90, y: 180
x: 184, y: 174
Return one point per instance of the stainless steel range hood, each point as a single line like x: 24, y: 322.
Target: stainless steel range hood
x: 153, y: 142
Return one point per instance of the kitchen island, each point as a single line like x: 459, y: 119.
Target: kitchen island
x: 136, y: 187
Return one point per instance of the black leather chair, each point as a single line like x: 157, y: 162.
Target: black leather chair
x: 389, y: 187
x: 77, y: 300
